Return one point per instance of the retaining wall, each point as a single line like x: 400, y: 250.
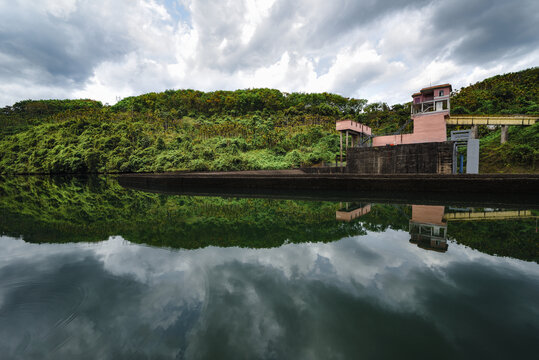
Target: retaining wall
x: 424, y: 158
x: 429, y: 127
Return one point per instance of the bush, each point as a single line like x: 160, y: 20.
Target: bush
x: 523, y: 154
x: 198, y: 165
x: 293, y: 158
x: 228, y: 162
x: 160, y: 145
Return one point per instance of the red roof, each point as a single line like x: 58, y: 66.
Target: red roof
x: 436, y: 87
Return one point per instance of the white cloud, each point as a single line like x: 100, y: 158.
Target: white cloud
x: 374, y: 50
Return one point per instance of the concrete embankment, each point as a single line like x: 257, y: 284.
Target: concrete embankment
x: 520, y: 188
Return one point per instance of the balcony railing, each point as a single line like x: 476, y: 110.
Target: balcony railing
x: 430, y: 106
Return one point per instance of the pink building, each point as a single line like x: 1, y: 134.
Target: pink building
x: 430, y: 107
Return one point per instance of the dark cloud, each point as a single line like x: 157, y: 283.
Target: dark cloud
x: 486, y: 31
x: 127, y: 47
x: 59, y: 50
x: 325, y: 25
x: 483, y: 31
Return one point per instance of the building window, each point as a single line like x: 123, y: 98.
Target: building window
x: 441, y: 93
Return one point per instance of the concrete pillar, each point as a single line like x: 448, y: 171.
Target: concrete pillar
x: 505, y: 133
x: 455, y: 154
x: 472, y: 156
x: 340, y: 132
x: 475, y: 132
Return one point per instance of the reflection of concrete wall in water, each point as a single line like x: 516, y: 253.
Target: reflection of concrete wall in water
x: 489, y: 215
x: 349, y: 215
x: 427, y: 158
x: 428, y: 214
x: 427, y: 227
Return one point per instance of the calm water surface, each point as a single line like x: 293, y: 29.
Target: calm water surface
x: 91, y: 270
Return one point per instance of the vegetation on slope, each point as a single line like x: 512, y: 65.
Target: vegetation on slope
x: 174, y: 130
x: 182, y: 130
x: 513, y: 93
x: 519, y: 155
x: 235, y: 130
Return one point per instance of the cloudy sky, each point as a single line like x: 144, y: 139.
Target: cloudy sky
x: 378, y: 50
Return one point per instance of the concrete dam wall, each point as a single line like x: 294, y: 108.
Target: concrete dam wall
x: 423, y: 158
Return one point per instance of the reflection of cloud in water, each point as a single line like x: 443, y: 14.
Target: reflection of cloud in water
x: 354, y: 296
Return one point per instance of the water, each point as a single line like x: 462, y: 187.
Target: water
x: 91, y: 270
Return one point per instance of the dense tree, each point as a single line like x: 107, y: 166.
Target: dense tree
x: 234, y: 130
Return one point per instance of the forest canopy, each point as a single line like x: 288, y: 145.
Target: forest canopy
x: 237, y: 130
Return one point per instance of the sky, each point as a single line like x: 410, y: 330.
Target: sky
x: 376, y: 50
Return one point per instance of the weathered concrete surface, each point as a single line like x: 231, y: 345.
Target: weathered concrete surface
x: 424, y: 158
x: 456, y: 190
x: 505, y: 134
x: 472, y: 156
x: 297, y: 180
x: 324, y: 170
x: 353, y: 126
x: 428, y: 127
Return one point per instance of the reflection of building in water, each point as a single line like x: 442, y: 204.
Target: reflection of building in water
x: 468, y: 215
x: 427, y: 227
x: 352, y: 211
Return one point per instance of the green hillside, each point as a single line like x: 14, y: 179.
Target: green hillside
x: 513, y: 93
x: 236, y: 130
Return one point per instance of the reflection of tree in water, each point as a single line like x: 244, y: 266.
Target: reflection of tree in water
x: 71, y: 210
x: 494, y: 231
x: 374, y: 217
x: 59, y: 210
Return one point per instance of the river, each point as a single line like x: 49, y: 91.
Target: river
x: 91, y: 270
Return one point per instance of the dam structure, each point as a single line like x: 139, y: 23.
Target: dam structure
x: 427, y: 150
x: 430, y: 108
x: 421, y: 162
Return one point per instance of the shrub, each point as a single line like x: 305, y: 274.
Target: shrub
x: 198, y: 165
x: 523, y: 154
x: 293, y: 158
